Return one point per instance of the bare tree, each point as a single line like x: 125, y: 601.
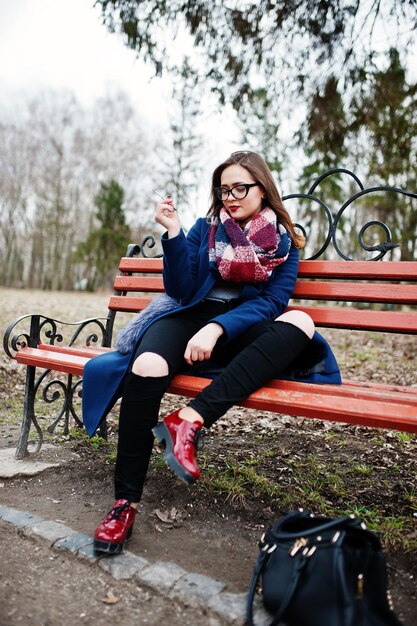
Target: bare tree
x: 55, y: 155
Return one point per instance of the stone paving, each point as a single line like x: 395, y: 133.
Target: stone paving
x: 166, y: 578
x: 10, y: 467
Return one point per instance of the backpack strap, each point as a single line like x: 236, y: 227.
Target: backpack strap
x: 291, y: 587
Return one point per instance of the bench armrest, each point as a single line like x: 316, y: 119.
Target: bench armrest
x: 32, y: 329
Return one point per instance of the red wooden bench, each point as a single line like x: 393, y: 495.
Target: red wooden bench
x: 367, y: 296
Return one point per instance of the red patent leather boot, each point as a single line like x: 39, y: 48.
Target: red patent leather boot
x: 179, y: 438
x: 115, y: 529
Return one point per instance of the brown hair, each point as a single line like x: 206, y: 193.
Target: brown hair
x: 261, y: 173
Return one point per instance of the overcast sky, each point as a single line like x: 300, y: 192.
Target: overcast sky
x: 62, y: 44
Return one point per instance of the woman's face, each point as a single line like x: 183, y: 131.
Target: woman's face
x: 244, y: 209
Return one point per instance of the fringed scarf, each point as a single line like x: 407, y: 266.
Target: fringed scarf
x: 248, y: 255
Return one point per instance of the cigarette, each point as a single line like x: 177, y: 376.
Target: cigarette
x: 163, y: 197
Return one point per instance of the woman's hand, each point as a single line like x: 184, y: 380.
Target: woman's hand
x: 201, y: 345
x: 167, y: 216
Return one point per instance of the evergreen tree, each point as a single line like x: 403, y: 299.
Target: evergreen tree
x: 104, y: 246
x: 371, y: 130
x: 385, y: 110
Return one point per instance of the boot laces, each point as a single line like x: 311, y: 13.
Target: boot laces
x: 196, y: 437
x: 117, y: 511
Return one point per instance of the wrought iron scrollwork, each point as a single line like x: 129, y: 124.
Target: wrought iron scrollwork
x: 47, y: 333
x: 335, y: 220
x: 59, y: 392
x: 68, y: 390
x: 51, y: 334
x: 335, y: 170
x: 17, y: 342
x: 50, y: 392
x: 133, y: 249
x: 12, y: 343
x: 327, y: 213
x: 149, y: 242
x: 91, y: 337
x: 383, y: 246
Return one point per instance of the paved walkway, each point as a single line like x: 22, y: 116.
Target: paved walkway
x: 165, y: 578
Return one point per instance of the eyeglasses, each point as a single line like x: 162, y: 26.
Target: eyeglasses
x: 239, y: 191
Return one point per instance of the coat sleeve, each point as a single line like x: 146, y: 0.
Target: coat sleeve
x: 268, y: 304
x: 180, y: 271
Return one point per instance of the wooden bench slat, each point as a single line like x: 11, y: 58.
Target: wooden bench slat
x: 356, y: 292
x: 389, y: 388
x: 382, y: 270
x: 289, y: 397
x: 307, y: 401
x: 349, y: 388
x: 128, y: 304
x: 332, y: 317
x: 392, y: 270
x: 88, y: 351
x: 339, y: 291
x: 353, y: 389
x: 136, y: 264
x: 139, y: 283
x: 49, y: 359
x: 344, y: 317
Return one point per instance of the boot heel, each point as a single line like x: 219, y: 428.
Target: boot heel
x: 161, y: 433
x: 178, y: 437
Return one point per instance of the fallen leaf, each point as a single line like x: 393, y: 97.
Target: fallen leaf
x: 164, y: 517
x: 110, y: 598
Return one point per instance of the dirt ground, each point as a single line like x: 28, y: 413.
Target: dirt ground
x: 39, y: 587
x: 212, y: 527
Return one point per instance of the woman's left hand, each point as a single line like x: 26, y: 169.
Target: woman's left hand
x: 201, y: 345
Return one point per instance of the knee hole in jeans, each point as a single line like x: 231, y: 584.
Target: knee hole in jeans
x: 150, y: 364
x: 300, y: 319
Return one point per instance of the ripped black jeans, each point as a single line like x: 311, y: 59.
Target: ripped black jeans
x: 261, y: 353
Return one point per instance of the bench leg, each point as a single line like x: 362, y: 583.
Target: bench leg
x: 28, y: 416
x: 68, y: 389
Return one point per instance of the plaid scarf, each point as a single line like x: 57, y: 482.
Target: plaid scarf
x: 248, y: 255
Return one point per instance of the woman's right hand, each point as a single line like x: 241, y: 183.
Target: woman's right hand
x: 167, y: 216
x: 201, y: 345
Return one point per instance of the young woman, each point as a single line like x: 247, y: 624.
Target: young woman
x: 228, y: 283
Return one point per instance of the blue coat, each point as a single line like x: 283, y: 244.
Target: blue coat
x: 188, y: 278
